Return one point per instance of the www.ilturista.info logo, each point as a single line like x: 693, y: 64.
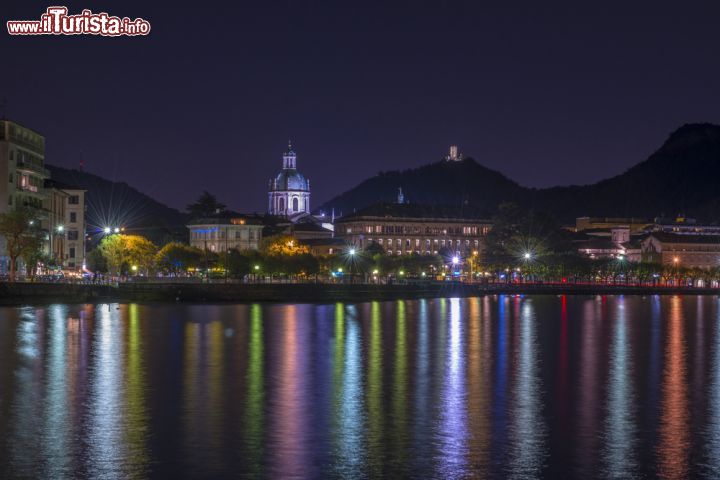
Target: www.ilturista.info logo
x: 56, y: 21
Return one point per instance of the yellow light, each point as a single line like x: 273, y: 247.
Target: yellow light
x: 134, y: 268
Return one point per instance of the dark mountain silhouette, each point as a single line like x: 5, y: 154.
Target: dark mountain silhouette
x: 681, y: 177
x: 456, y: 183
x: 111, y: 204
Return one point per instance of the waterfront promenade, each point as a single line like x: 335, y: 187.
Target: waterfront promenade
x: 21, y: 293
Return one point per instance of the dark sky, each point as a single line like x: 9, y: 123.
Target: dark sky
x: 546, y: 93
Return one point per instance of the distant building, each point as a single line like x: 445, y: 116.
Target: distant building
x: 309, y: 230
x: 289, y: 191
x: 226, y: 231
x: 325, y: 246
x: 618, y: 242
x: 686, y: 250
x: 402, y: 229
x: 635, y: 225
x: 65, y: 224
x: 684, y: 225
x: 453, y: 155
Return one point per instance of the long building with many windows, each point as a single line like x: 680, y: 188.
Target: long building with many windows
x: 226, y: 231
x: 402, y: 229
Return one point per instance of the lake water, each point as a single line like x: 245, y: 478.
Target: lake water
x: 497, y: 386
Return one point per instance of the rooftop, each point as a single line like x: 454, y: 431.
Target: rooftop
x: 667, y: 237
x: 229, y: 218
x: 416, y: 211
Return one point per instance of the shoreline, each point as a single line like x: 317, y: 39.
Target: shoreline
x: 16, y: 294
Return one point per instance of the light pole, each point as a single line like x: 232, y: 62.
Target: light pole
x: 527, y: 256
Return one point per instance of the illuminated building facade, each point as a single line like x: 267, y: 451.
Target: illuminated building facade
x: 289, y: 191
x: 64, y: 206
x: 226, y: 231
x: 683, y: 250
x: 59, y: 208
x: 402, y: 229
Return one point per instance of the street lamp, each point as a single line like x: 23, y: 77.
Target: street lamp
x: 527, y: 256
x: 116, y: 230
x: 107, y: 230
x: 60, y: 228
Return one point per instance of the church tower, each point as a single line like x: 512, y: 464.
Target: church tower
x: 289, y: 191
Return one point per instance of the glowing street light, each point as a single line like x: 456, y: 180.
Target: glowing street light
x: 60, y: 228
x: 134, y: 268
x: 527, y: 256
x: 352, y: 251
x: 256, y: 267
x: 116, y: 230
x: 375, y: 272
x: 402, y: 272
x: 107, y: 230
x: 455, y: 260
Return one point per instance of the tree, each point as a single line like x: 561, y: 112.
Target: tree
x: 176, y: 257
x: 96, y: 261
x: 282, y: 245
x: 235, y: 262
x: 22, y: 233
x: 121, y: 251
x: 141, y: 253
x: 205, y: 206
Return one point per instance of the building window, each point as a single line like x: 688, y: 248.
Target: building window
x: 295, y: 205
x: 72, y: 251
x: 72, y: 235
x: 73, y: 217
x: 74, y: 200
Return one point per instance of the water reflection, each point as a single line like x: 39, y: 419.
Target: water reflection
x: 674, y: 435
x: 490, y: 387
x: 620, y: 423
x: 454, y: 417
x: 527, y: 427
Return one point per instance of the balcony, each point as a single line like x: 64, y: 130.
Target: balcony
x: 21, y: 165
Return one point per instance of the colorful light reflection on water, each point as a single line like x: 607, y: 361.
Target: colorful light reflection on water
x: 525, y: 387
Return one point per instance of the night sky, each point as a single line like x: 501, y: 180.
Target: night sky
x: 548, y: 96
